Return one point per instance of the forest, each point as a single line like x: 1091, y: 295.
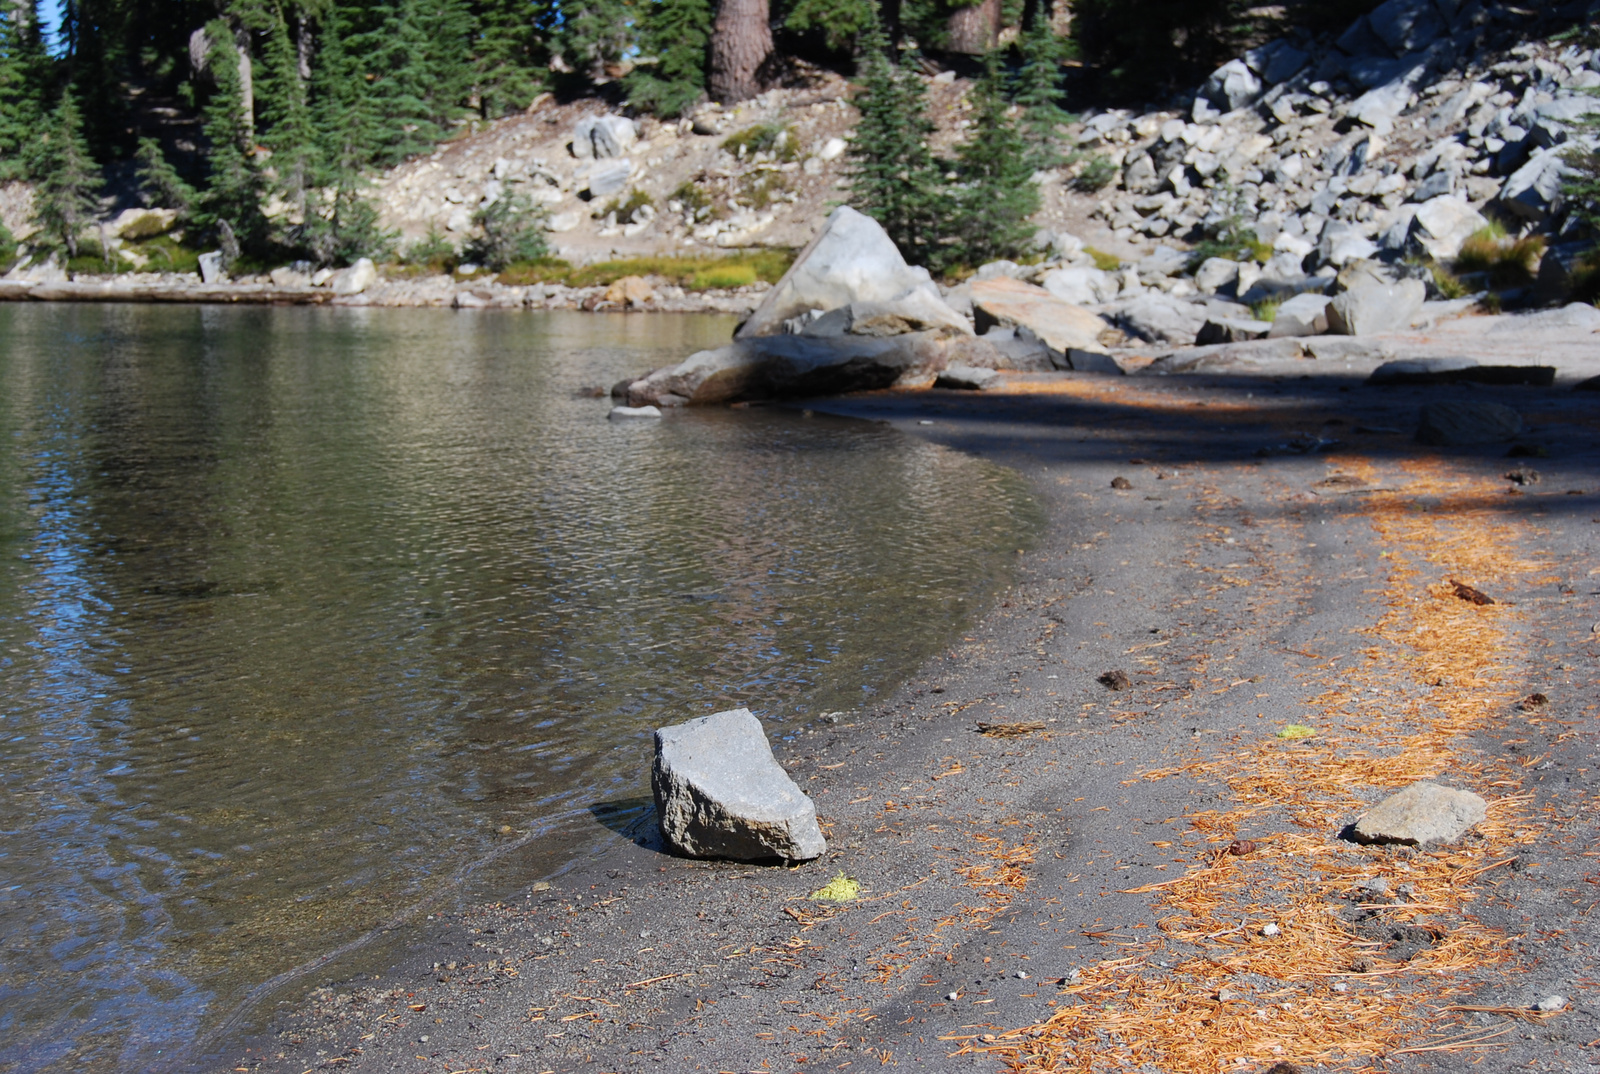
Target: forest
x: 261, y: 121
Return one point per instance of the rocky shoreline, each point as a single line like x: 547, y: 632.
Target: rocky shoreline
x: 1107, y: 821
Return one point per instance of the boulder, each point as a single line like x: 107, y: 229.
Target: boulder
x: 1215, y: 273
x: 604, y: 180
x: 622, y: 413
x: 1162, y: 261
x: 1457, y: 424
x: 630, y: 291
x: 1081, y: 285
x: 852, y: 259
x: 1230, y: 330
x: 917, y: 310
x: 355, y: 279
x: 1160, y: 318
x: 1375, y: 307
x: 1061, y: 326
x: 211, y: 270
x: 1406, y: 25
x: 1305, y: 314
x: 1444, y: 223
x: 1233, y: 86
x: 720, y: 793
x: 285, y: 276
x: 1534, y: 191
x: 135, y: 224
x: 777, y: 367
x: 967, y: 378
x: 1423, y: 813
x: 1419, y: 371
x: 564, y: 222
x: 1558, y: 271
x: 603, y: 137
x: 1016, y: 348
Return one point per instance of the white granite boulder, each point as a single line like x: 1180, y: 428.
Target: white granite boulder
x: 720, y: 793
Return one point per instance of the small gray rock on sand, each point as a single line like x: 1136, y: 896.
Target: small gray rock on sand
x: 720, y: 794
x: 1455, y: 424
x: 1422, y: 813
x: 967, y: 378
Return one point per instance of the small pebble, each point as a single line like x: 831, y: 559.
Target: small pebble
x: 924, y: 422
x: 1341, y: 987
x: 1270, y: 930
x: 952, y: 996
x: 1551, y: 1003
x: 1019, y: 975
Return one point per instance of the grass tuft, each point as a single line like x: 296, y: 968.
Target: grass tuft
x: 694, y: 273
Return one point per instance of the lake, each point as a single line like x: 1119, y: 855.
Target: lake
x: 315, y: 620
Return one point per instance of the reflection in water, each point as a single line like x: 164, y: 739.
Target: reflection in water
x: 302, y: 611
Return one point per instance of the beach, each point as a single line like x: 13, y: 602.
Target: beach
x: 1104, y: 829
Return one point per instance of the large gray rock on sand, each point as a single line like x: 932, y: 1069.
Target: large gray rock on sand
x: 1375, y: 307
x: 852, y: 259
x: 1160, y: 318
x: 1422, y: 813
x: 720, y: 794
x: 603, y: 137
x: 1455, y: 424
x: 1062, y: 326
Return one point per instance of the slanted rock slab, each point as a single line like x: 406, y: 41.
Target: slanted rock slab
x: 720, y: 793
x: 1422, y: 813
x: 1061, y: 326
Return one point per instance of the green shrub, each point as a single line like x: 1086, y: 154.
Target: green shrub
x: 1103, y: 261
x: 1448, y: 285
x: 432, y: 251
x: 774, y: 138
x: 760, y: 189
x: 512, y: 231
x: 697, y: 204
x: 1266, y: 309
x: 625, y: 209
x: 1096, y: 172
x: 8, y: 249
x: 1504, y: 261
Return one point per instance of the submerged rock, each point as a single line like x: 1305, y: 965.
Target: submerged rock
x: 1422, y: 813
x: 720, y: 794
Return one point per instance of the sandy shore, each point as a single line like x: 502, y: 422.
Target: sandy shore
x: 1065, y: 896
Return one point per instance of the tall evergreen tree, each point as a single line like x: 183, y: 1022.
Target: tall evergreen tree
x: 894, y: 176
x: 24, y: 76
x: 675, y: 32
x: 161, y: 182
x: 841, y: 21
x: 284, y: 114
x: 510, y: 54
x: 595, y: 34
x: 1037, y: 90
x: 235, y: 187
x: 997, y: 194
x: 66, y: 177
x: 340, y: 223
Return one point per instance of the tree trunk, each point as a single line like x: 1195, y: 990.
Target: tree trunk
x: 974, y: 30
x: 741, y: 41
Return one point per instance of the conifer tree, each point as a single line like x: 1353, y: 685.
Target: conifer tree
x: 284, y: 114
x: 1037, y: 90
x: 235, y: 187
x: 161, y: 182
x: 66, y: 176
x: 595, y: 34
x: 842, y: 21
x: 675, y: 32
x: 512, y: 230
x: 894, y: 177
x: 997, y: 194
x: 510, y: 54
x: 24, y: 75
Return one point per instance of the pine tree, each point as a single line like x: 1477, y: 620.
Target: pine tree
x: 894, y: 177
x: 595, y: 35
x: 235, y: 187
x: 676, y: 33
x: 997, y: 194
x: 24, y: 75
x: 284, y: 114
x: 1037, y: 90
x: 512, y: 231
x: 161, y: 182
x: 842, y: 21
x: 66, y: 177
x: 510, y: 54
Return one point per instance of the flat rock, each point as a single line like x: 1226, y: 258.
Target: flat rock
x: 1576, y: 315
x: 790, y: 366
x: 1460, y: 371
x: 1455, y: 424
x: 1081, y: 285
x: 720, y: 793
x: 1422, y: 813
x: 622, y: 413
x: 852, y: 259
x: 1375, y: 307
x: 1231, y: 330
x: 967, y: 378
x: 1160, y: 318
x: 1062, y: 326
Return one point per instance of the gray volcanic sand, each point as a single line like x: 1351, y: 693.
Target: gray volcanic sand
x: 1232, y: 590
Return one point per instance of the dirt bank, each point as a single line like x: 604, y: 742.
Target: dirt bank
x: 1095, y: 889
